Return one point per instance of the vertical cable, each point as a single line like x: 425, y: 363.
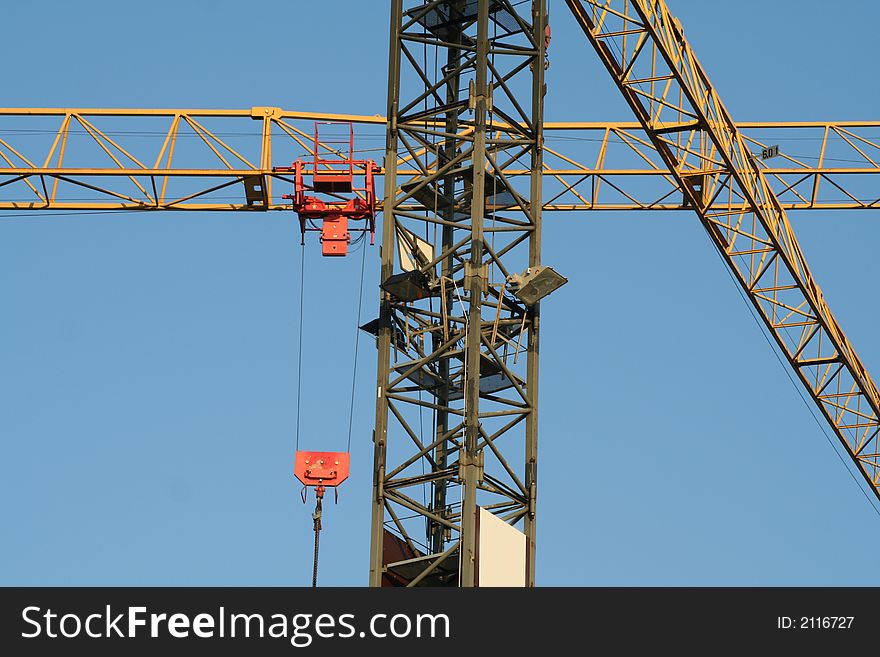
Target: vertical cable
x: 302, y: 272
x: 316, y: 516
x: 357, y: 335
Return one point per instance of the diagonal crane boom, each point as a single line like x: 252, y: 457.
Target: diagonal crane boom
x: 643, y: 47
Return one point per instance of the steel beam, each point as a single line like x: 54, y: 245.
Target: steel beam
x: 640, y: 42
x: 213, y: 160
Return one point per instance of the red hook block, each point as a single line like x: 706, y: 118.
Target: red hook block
x: 322, y: 469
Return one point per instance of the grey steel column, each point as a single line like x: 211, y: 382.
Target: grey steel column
x: 476, y: 285
x: 380, y: 433
x: 437, y: 532
x: 539, y: 26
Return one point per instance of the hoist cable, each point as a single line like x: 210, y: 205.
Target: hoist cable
x: 299, y: 357
x: 798, y: 388
x: 357, y: 335
x: 316, y: 516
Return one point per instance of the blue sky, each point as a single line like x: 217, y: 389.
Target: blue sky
x: 148, y: 364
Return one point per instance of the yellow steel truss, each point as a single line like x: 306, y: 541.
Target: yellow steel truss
x: 644, y: 49
x: 142, y: 159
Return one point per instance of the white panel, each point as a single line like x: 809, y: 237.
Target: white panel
x: 501, y: 552
x: 405, y: 253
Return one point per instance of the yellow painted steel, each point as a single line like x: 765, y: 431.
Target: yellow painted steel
x: 148, y: 159
x: 647, y: 55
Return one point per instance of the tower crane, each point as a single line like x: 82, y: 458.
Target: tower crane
x: 467, y: 175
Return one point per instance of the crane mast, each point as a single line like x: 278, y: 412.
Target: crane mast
x: 643, y: 47
x: 453, y: 341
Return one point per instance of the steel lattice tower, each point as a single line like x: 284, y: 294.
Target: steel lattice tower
x: 457, y: 351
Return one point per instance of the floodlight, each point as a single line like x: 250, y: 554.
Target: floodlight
x: 535, y: 283
x: 375, y: 325
x: 492, y: 379
x: 408, y: 286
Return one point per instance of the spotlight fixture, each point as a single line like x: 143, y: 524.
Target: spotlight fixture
x: 375, y: 325
x: 407, y: 286
x: 492, y: 379
x: 534, y: 284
